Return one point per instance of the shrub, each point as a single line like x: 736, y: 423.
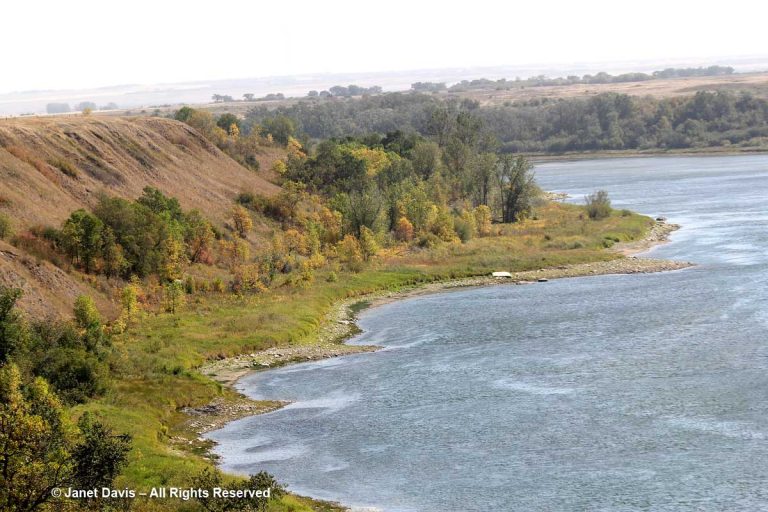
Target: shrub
x: 6, y: 229
x: 350, y: 253
x: 75, y: 374
x: 598, y: 205
x: 65, y: 166
x: 464, y: 229
x: 429, y: 240
x: 368, y: 245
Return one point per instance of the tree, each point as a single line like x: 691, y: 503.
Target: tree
x: 40, y: 449
x: 404, y: 230
x: 199, y: 236
x: 483, y: 167
x: 86, y: 314
x: 483, y: 220
x: 234, y: 132
x: 35, y: 438
x: 350, y: 253
x: 129, y: 303
x: 249, y: 96
x: 517, y: 187
x: 112, y: 254
x: 173, y: 295
x: 81, y: 238
x: 262, y: 481
x: 13, y: 330
x: 280, y: 127
x: 361, y: 209
x: 242, y: 221
x: 100, y: 455
x: 368, y: 245
x: 225, y: 121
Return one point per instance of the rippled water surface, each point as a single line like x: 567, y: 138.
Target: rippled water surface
x: 620, y: 393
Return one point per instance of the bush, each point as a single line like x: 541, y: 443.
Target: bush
x: 598, y: 205
x: 429, y: 240
x: 464, y: 229
x: 5, y: 226
x: 74, y: 373
x: 65, y: 166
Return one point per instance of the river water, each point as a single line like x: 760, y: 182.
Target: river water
x: 606, y: 393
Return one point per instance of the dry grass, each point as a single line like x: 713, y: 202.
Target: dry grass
x: 757, y: 83
x: 117, y: 156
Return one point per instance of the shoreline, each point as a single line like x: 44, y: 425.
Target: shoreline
x: 633, y: 153
x: 339, y: 324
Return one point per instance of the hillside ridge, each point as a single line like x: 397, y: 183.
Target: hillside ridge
x: 50, y: 167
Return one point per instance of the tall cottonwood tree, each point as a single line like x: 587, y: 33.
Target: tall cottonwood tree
x: 517, y: 188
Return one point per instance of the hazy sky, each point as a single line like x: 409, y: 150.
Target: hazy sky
x: 81, y: 43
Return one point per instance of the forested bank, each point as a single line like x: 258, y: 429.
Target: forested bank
x: 606, y: 121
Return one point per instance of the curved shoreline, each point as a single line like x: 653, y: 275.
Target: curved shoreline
x: 339, y: 324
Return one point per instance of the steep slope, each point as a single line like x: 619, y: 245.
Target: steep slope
x: 52, y: 166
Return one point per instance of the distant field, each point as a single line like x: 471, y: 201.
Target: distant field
x: 756, y: 83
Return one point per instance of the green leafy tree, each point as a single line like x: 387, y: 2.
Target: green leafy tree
x: 368, y: 245
x: 81, y: 238
x: 225, y: 122
x: 174, y: 296
x: 100, y: 455
x: 13, y: 331
x: 280, y: 127
x: 87, y: 316
x: 40, y: 448
x: 516, y: 186
x: 262, y: 481
x: 35, y: 439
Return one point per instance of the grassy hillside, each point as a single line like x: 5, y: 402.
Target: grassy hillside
x: 50, y: 167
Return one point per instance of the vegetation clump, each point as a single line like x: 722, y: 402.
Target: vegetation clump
x: 6, y: 229
x: 598, y: 205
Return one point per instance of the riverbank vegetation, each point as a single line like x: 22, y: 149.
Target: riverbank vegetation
x: 354, y: 215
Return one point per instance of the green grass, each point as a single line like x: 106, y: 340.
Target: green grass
x: 155, y: 365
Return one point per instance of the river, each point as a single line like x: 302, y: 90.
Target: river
x: 606, y: 393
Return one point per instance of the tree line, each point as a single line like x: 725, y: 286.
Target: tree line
x: 605, y: 121
x: 598, y: 78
